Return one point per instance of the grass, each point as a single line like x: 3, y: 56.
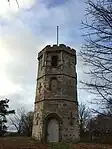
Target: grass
x: 59, y: 146
x: 30, y: 143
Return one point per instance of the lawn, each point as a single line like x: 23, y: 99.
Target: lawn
x: 29, y: 143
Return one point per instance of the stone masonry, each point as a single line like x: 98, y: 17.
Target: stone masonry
x: 56, y: 93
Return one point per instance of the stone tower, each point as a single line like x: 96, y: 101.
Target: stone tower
x: 56, y: 106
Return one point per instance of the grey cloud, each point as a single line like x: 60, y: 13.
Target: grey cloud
x: 44, y: 21
x: 22, y: 100
x: 23, y: 44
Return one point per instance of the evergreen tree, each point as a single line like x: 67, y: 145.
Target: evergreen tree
x: 3, y: 113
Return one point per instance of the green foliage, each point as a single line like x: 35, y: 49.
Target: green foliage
x: 60, y: 146
x: 3, y: 113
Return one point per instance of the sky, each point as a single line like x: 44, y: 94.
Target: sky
x: 24, y: 31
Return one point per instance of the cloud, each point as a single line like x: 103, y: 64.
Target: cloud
x: 8, y: 8
x: 18, y: 64
x: 43, y: 21
x: 24, y: 32
x: 53, y: 3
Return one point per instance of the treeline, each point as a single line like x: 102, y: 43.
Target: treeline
x: 94, y: 126
x: 21, y: 121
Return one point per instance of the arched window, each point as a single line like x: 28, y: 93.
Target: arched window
x: 54, y: 62
x: 40, y: 61
x: 53, y: 84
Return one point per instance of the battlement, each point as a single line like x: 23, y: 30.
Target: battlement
x: 57, y: 48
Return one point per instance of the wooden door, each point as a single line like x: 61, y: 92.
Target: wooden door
x: 53, y: 131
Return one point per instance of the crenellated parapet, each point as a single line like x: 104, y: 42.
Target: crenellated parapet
x: 56, y: 48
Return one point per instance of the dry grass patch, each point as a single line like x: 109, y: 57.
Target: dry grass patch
x: 29, y: 143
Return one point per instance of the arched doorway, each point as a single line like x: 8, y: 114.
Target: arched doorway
x: 53, y: 131
x: 52, y: 128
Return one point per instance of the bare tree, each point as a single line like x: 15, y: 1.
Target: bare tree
x: 16, y: 120
x: 97, y: 50
x: 27, y: 124
x: 23, y: 122
x: 100, y: 126
x: 16, y: 2
x: 84, y: 116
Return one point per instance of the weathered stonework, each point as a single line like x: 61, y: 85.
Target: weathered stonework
x: 56, y: 94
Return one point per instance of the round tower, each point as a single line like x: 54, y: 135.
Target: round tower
x: 56, y: 105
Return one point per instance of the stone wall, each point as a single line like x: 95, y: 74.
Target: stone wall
x: 67, y: 111
x: 56, y: 93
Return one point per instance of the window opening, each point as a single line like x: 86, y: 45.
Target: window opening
x: 54, y: 61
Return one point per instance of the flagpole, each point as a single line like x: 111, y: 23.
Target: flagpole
x: 57, y: 34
